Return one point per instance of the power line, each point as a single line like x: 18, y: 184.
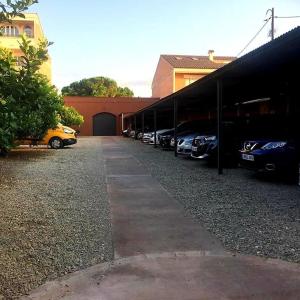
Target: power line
x: 266, y: 22
x: 287, y: 17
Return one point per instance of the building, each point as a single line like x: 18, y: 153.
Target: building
x: 103, y: 116
x: 29, y: 26
x: 174, y: 72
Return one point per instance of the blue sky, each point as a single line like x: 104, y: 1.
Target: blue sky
x: 122, y: 39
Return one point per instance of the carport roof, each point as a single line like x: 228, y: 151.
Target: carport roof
x: 277, y: 56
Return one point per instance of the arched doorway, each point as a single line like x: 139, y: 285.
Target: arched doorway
x: 104, y: 124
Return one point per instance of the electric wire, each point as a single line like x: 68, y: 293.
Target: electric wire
x: 287, y: 17
x: 266, y: 22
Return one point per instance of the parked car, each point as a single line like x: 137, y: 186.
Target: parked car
x: 55, y: 138
x: 205, y: 146
x: 184, y: 143
x: 132, y: 134
x: 137, y: 133
x: 167, y: 140
x: 147, y: 136
x: 158, y: 135
x: 273, y: 155
x: 126, y: 132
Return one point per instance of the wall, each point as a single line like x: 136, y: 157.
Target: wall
x: 90, y: 106
x: 162, y: 84
x: 12, y: 42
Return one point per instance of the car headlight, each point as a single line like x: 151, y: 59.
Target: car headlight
x: 210, y: 138
x: 68, y: 131
x: 273, y: 145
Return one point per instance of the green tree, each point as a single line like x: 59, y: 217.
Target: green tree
x: 29, y: 105
x: 70, y: 116
x: 11, y: 8
x: 96, y: 86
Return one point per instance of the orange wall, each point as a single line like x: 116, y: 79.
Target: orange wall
x: 90, y: 106
x: 162, y: 84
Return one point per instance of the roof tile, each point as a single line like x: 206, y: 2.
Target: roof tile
x: 197, y: 62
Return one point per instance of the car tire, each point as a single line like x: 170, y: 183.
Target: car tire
x: 56, y: 143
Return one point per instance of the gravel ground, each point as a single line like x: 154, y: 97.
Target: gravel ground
x: 249, y: 215
x: 54, y: 215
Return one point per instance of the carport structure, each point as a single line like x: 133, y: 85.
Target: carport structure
x: 256, y: 91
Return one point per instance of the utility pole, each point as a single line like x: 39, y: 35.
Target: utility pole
x: 272, y: 24
x: 272, y: 32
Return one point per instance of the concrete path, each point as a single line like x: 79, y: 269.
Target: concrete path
x: 162, y: 253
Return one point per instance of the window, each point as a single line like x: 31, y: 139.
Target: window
x: 191, y: 78
x: 188, y: 81
x: 10, y: 30
x: 28, y: 31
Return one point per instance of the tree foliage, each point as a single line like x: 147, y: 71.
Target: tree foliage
x: 96, y: 86
x: 70, y: 116
x: 29, y: 105
x: 10, y: 8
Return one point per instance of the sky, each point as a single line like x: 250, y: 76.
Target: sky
x: 123, y: 39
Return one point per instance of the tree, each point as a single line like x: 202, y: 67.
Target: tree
x: 11, y: 8
x: 70, y: 116
x: 29, y: 104
x: 96, y: 86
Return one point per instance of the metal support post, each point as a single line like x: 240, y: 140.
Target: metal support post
x: 175, y: 126
x: 143, y: 123
x: 155, y: 127
x: 135, y: 135
x: 122, y: 121
x: 220, y: 125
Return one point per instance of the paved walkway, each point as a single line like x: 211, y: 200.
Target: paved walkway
x: 162, y: 253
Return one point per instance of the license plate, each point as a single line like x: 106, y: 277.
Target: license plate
x: 194, y: 148
x: 248, y: 157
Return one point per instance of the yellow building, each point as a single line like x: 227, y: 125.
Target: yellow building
x: 32, y: 28
x: 174, y: 72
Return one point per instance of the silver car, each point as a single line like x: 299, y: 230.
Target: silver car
x: 184, y: 144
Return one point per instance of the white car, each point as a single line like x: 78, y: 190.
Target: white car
x: 147, y: 136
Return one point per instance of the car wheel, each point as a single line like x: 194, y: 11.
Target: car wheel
x: 56, y: 143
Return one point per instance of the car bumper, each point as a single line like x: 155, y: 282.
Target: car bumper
x: 146, y: 140
x: 184, y: 151
x: 165, y: 144
x: 200, y: 156
x: 68, y: 142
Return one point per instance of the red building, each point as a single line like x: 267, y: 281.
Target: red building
x: 103, y: 116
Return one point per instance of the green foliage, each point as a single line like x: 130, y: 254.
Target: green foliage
x: 96, y: 86
x: 70, y: 116
x: 29, y: 105
x: 11, y: 8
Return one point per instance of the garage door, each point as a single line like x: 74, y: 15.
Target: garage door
x: 104, y: 124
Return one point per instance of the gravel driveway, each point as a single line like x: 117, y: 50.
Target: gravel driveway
x: 55, y: 219
x: 54, y: 215
x: 248, y: 215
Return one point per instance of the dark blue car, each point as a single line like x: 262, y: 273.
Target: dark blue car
x: 271, y: 155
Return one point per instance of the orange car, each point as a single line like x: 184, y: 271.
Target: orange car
x: 55, y: 138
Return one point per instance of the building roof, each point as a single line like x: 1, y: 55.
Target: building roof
x: 197, y: 62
